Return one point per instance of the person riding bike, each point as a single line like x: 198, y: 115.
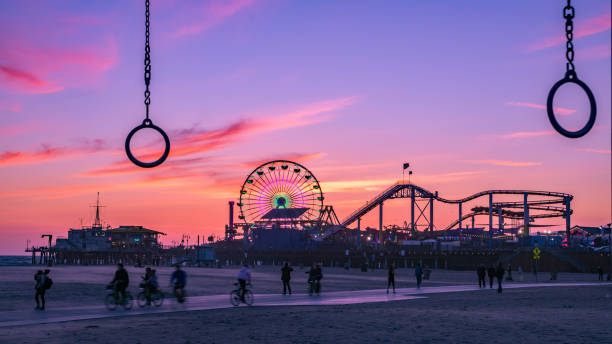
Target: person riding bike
x: 314, y: 279
x: 121, y: 281
x: 178, y: 280
x: 149, y: 283
x: 244, y: 278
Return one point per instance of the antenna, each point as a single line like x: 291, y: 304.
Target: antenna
x: 97, y: 222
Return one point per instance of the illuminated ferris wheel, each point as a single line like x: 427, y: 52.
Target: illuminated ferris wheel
x: 280, y: 184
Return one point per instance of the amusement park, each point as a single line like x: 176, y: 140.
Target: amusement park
x: 280, y: 214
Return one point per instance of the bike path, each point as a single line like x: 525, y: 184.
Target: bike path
x: 198, y: 303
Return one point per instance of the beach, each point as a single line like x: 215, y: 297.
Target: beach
x: 559, y: 314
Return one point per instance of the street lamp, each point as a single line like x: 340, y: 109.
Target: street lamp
x: 609, y: 277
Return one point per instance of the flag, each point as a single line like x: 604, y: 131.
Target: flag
x: 406, y: 165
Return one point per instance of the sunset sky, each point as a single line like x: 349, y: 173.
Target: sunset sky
x: 350, y: 89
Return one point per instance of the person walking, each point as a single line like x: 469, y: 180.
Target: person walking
x: 43, y: 282
x: 37, y: 287
x: 482, y: 273
x: 499, y: 273
x: 520, y: 272
x: 391, y: 278
x: 286, y: 277
x: 600, y: 273
x: 509, y: 276
x: 418, y: 273
x: 491, y: 273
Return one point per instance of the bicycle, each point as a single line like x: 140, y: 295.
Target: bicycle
x: 156, y: 298
x: 235, y: 296
x: 179, y: 293
x: 314, y: 286
x: 114, y: 298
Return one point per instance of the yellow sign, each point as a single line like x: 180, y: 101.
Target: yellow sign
x: 536, y: 253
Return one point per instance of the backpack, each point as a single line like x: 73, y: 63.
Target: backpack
x: 48, y: 283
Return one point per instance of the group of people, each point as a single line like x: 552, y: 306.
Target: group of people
x: 119, y: 284
x: 315, y: 274
x: 418, y: 274
x: 493, y: 273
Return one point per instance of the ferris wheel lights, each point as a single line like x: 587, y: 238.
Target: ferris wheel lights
x: 269, y: 188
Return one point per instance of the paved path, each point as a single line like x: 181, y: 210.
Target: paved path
x: 197, y: 303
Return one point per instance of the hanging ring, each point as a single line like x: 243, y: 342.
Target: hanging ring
x: 570, y: 76
x: 147, y: 123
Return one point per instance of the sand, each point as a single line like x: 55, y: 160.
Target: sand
x: 578, y: 314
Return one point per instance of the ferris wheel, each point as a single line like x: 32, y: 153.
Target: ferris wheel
x: 280, y: 184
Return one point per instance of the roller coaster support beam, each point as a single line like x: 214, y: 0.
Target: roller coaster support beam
x: 359, y: 231
x: 460, y: 214
x: 525, y: 216
x: 501, y: 219
x: 380, y: 223
x: 412, y: 209
x: 568, y: 212
x: 490, y: 220
x: 431, y: 225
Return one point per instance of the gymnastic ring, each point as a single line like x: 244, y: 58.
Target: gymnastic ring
x: 571, y: 77
x: 147, y: 123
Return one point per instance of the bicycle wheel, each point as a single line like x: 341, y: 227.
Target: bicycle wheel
x: 235, y: 298
x: 141, y: 299
x: 128, y: 301
x: 110, y: 302
x: 248, y: 297
x: 158, y: 298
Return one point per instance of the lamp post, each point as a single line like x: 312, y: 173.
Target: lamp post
x: 609, y: 277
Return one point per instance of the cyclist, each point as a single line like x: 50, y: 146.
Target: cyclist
x: 179, y: 280
x: 121, y: 280
x: 149, y: 283
x: 314, y: 279
x: 244, y: 277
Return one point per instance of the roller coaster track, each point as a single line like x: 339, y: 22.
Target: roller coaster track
x: 554, y: 212
x: 402, y: 190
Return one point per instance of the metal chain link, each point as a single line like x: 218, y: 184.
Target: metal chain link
x: 147, y: 62
x: 568, y: 14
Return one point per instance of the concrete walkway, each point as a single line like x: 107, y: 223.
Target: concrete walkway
x: 198, y: 303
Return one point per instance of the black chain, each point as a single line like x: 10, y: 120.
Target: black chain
x: 147, y: 62
x: 568, y: 14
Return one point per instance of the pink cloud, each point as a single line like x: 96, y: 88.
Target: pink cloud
x: 48, y: 153
x: 23, y: 80
x: 11, y: 106
x: 558, y: 110
x: 207, y: 16
x: 593, y: 150
x: 522, y: 134
x: 15, y: 129
x: 34, y: 69
x: 506, y: 163
x: 597, y: 52
x: 588, y: 27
